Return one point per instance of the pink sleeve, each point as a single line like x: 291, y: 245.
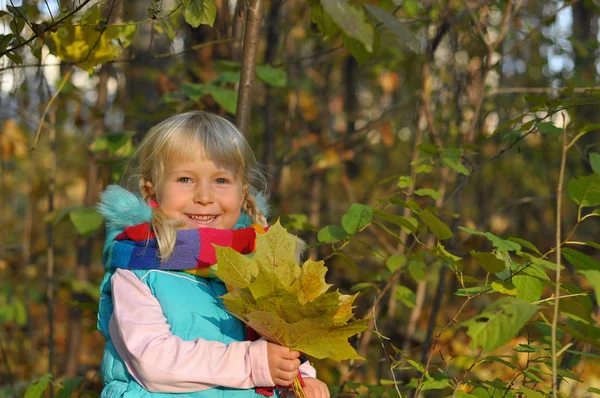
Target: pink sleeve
x: 163, y: 362
x: 306, y: 370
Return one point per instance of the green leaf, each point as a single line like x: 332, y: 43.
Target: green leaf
x: 351, y: 20
x: 68, y: 387
x: 86, y: 220
x: 471, y: 291
x: 408, y: 223
x: 525, y: 348
x: 271, y: 76
x: 504, y: 287
x: 194, y: 91
x: 580, y: 261
x: 395, y: 262
x: 225, y: 97
x: 489, y: 262
x: 358, y: 50
x: 585, y: 190
x: 235, y: 269
x: 525, y: 243
x: 500, y: 243
x: 437, y: 227
x: 549, y: 128
x: 357, y: 217
x: 197, y: 12
x: 594, y: 390
x: 405, y: 296
x: 432, y: 384
x: 417, y: 269
x: 428, y: 192
x: 595, y: 162
x: 36, y: 389
x: 404, y: 35
x: 404, y: 182
x: 455, y: 165
x: 499, y: 323
x: 323, y: 21
x: 331, y: 234
x: 530, y: 284
x: 593, y: 278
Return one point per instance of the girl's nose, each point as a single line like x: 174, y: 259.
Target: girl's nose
x: 204, y: 195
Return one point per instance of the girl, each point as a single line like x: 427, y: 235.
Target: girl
x: 166, y: 330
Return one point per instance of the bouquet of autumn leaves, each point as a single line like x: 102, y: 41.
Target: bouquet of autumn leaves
x: 286, y: 303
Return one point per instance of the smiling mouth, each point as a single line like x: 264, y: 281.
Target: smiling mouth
x: 202, y: 220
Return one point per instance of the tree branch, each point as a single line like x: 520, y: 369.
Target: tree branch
x: 251, y: 38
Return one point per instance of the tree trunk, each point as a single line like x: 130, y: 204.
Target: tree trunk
x: 251, y: 38
x: 271, y: 108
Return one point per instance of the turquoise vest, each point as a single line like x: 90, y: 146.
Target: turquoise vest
x: 193, y: 309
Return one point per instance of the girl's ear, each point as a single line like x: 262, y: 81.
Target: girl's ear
x: 244, y: 196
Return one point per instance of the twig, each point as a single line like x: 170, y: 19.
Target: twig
x: 60, y: 87
x: 559, y: 192
x: 454, y: 320
x: 387, y: 356
x: 50, y: 251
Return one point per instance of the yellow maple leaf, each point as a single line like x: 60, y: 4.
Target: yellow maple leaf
x: 286, y: 303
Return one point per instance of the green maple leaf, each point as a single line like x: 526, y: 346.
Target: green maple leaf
x: 285, y: 303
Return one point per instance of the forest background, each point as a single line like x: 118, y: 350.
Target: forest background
x: 440, y: 156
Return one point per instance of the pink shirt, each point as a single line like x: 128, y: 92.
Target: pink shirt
x: 163, y: 362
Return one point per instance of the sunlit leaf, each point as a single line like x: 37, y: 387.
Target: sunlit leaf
x: 357, y: 217
x: 504, y: 287
x: 36, y: 390
x: 198, y: 12
x: 331, y: 234
x: 585, y: 190
x: 498, y: 323
x: 285, y: 303
x: 395, y: 262
x: 404, y: 182
x: 405, y: 296
x: 428, y: 192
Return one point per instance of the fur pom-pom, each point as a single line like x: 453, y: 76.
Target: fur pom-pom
x: 122, y: 208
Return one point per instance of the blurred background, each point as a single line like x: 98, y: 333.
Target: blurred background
x: 456, y: 105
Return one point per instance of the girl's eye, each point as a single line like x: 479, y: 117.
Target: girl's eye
x: 185, y: 180
x: 221, y: 181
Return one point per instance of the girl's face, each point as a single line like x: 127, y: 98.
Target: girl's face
x: 201, y: 194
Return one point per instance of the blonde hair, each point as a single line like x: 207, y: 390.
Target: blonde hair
x: 179, y: 137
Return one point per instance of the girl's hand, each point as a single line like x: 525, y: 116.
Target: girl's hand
x: 283, y: 364
x: 315, y: 388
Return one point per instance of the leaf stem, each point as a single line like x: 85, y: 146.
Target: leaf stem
x: 559, y: 191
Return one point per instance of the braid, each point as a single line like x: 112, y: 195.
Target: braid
x: 251, y: 208
x: 165, y: 230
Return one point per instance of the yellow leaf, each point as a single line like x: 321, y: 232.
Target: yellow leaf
x: 311, y: 282
x: 286, y: 303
